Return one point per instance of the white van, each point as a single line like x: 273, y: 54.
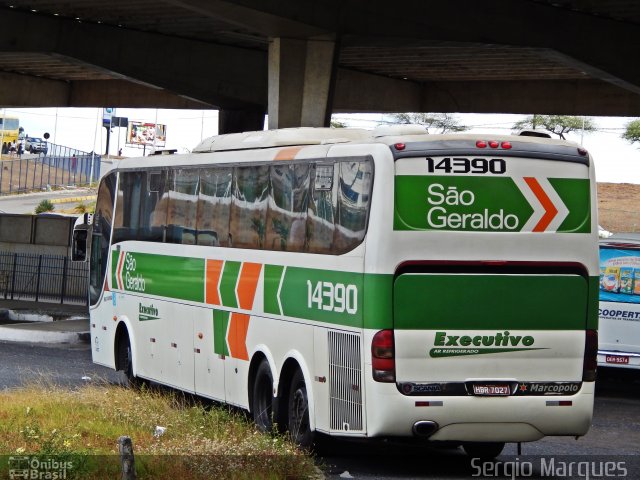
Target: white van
x: 619, y: 312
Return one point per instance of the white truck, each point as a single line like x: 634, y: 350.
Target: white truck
x: 619, y: 311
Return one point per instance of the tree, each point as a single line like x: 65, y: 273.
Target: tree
x: 440, y: 122
x: 557, y: 124
x: 632, y: 131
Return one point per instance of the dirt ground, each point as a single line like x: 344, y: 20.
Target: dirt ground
x: 619, y: 207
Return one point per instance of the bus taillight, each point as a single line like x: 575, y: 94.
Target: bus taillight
x: 383, y: 360
x: 590, y: 356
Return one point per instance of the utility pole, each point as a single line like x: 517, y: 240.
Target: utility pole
x: 107, y: 113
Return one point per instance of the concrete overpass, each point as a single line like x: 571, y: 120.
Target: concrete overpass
x: 301, y: 60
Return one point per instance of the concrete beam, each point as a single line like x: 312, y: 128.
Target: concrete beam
x: 257, y: 21
x: 607, y: 48
x: 227, y: 77
x: 354, y: 91
x: 25, y: 90
x: 29, y: 91
x: 97, y: 93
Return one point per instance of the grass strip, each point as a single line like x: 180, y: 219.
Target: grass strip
x: 82, y: 426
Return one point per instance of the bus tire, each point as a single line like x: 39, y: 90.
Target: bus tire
x: 483, y: 450
x: 124, y: 358
x: 262, y: 398
x: 298, y: 412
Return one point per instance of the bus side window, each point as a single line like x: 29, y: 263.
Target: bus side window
x: 183, y: 204
x: 322, y: 206
x: 214, y: 207
x: 354, y: 190
x: 249, y: 206
x: 287, y: 213
x: 155, y: 201
x: 130, y: 193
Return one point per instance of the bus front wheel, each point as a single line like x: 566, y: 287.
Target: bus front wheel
x: 124, y: 358
x: 298, y: 412
x: 262, y: 398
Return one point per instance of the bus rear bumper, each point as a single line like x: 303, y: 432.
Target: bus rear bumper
x: 472, y: 418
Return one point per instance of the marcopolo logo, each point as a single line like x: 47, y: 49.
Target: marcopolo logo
x: 147, y: 312
x: 459, y: 345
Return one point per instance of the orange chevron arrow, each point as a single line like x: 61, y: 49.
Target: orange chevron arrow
x: 239, y: 322
x: 550, y: 209
x: 214, y: 271
x: 247, y: 284
x: 237, y: 336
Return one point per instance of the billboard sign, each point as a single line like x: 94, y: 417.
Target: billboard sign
x: 107, y: 113
x: 145, y: 133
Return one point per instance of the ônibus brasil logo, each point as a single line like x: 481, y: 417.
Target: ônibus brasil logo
x: 459, y: 345
x: 129, y: 279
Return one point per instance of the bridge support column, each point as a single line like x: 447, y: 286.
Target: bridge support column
x: 236, y: 121
x: 301, y: 77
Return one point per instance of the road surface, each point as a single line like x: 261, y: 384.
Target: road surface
x: 614, y: 436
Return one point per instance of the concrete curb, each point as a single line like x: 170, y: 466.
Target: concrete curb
x: 73, y: 199
x: 9, y: 334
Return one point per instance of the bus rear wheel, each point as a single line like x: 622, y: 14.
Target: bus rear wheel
x: 298, y: 412
x: 483, y: 450
x: 262, y: 398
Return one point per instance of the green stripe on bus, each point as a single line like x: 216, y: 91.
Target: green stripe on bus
x: 228, y: 283
x: 431, y: 202
x: 484, y: 204
x: 324, y: 295
x: 272, y: 275
x: 487, y: 302
x: 378, y: 301
x: 575, y: 194
x: 181, y: 278
x: 220, y: 324
x: 367, y: 300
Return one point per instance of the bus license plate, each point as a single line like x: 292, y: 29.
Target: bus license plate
x: 500, y: 390
x: 617, y: 359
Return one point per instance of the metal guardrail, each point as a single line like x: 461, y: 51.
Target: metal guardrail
x: 42, y: 172
x: 43, y: 278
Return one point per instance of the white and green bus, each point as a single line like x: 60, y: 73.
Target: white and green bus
x: 358, y: 283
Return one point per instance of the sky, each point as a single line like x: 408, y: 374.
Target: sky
x: 616, y: 160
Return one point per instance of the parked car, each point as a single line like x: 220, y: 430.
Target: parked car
x: 36, y: 145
